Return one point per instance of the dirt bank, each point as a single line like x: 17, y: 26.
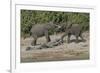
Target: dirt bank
x: 71, y: 51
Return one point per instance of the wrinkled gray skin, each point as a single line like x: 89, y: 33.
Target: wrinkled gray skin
x: 75, y: 30
x: 46, y: 45
x: 40, y: 30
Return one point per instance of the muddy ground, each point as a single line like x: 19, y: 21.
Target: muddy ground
x: 65, y: 51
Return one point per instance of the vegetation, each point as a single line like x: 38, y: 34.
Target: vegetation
x: 32, y: 17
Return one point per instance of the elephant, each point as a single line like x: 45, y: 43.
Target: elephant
x: 40, y: 30
x: 51, y: 44
x: 73, y: 29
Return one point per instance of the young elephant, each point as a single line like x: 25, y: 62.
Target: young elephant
x: 40, y: 30
x: 75, y: 30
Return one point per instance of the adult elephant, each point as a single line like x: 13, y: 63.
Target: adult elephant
x: 74, y: 29
x: 40, y: 30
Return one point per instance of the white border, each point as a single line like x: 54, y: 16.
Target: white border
x: 16, y: 66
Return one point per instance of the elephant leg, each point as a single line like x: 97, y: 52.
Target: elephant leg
x: 82, y: 37
x: 47, y: 36
x: 77, y: 39
x: 34, y: 42
x: 68, y: 40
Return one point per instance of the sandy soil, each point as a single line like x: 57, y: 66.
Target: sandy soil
x: 71, y: 51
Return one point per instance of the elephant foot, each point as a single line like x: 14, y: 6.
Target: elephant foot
x: 77, y: 41
x: 33, y: 44
x: 83, y: 40
x: 48, y: 40
x: 68, y: 41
